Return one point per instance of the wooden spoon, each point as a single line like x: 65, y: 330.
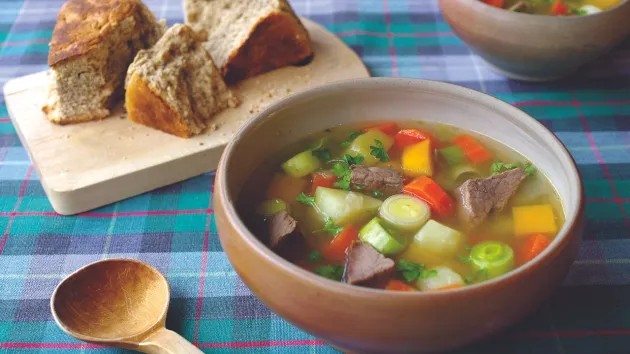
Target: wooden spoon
x: 118, y: 302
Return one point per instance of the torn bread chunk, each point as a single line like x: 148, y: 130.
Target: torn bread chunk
x: 175, y: 86
x: 92, y: 45
x: 250, y: 37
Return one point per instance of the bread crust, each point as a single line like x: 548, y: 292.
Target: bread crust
x: 83, y: 24
x: 147, y: 108
x: 291, y: 44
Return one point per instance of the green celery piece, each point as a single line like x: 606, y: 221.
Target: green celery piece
x: 271, y: 207
x: 453, y: 155
x: 382, y: 239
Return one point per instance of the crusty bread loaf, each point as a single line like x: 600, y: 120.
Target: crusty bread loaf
x: 175, y: 86
x: 250, y: 37
x: 93, y: 43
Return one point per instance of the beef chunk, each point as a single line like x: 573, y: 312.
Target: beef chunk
x: 365, y: 266
x: 283, y: 233
x: 479, y: 197
x: 386, y: 180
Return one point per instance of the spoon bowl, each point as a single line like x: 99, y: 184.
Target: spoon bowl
x: 118, y: 302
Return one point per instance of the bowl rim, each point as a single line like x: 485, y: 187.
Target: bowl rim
x: 572, y: 220
x: 485, y: 7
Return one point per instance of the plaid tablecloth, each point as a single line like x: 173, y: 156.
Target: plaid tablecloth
x: 174, y: 229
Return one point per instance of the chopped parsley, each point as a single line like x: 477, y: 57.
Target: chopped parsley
x: 379, y: 152
x: 377, y: 194
x: 305, y: 199
x: 464, y: 259
x: 500, y: 167
x: 342, y: 170
x: 356, y: 160
x: 529, y: 169
x: 579, y: 12
x: 353, y: 135
x: 332, y: 228
x: 481, y: 274
x: 323, y: 154
x: 331, y: 272
x: 314, y: 257
x: 413, y: 271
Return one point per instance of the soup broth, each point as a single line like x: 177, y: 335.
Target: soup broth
x: 413, y: 206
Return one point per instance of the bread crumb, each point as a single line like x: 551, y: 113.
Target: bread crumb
x: 201, y: 144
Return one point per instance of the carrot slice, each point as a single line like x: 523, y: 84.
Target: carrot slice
x: 559, y: 8
x: 387, y: 128
x: 335, y: 251
x: 475, y: 152
x: 407, y: 137
x: 397, y: 285
x: 495, y: 3
x: 428, y: 190
x: 448, y: 287
x: 323, y: 179
x: 534, y: 245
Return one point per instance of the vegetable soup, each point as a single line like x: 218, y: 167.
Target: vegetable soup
x: 413, y: 206
x: 555, y: 7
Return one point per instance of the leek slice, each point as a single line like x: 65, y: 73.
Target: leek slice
x: 405, y: 212
x: 493, y: 258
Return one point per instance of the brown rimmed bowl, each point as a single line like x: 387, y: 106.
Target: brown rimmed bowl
x: 363, y: 320
x: 536, y: 47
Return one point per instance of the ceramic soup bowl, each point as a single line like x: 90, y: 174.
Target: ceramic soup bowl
x: 536, y: 47
x: 363, y: 320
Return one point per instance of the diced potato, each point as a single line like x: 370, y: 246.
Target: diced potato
x: 444, y: 278
x: 301, y: 164
x: 286, y: 188
x: 534, y: 218
x: 434, y: 240
x: 345, y: 207
x: 417, y: 159
x: 361, y: 145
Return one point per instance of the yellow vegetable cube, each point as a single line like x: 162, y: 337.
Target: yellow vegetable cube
x: 534, y: 219
x: 417, y: 159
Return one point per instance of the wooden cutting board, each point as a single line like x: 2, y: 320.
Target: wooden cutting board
x: 88, y: 165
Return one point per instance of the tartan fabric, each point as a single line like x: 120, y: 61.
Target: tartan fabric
x: 173, y: 228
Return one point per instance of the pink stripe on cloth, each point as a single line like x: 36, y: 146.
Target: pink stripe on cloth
x: 392, y: 50
x: 27, y: 345
x: 600, y: 159
x: 272, y: 343
x: 32, y: 41
x: 395, y: 35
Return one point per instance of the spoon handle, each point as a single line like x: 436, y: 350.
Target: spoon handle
x: 164, y: 341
